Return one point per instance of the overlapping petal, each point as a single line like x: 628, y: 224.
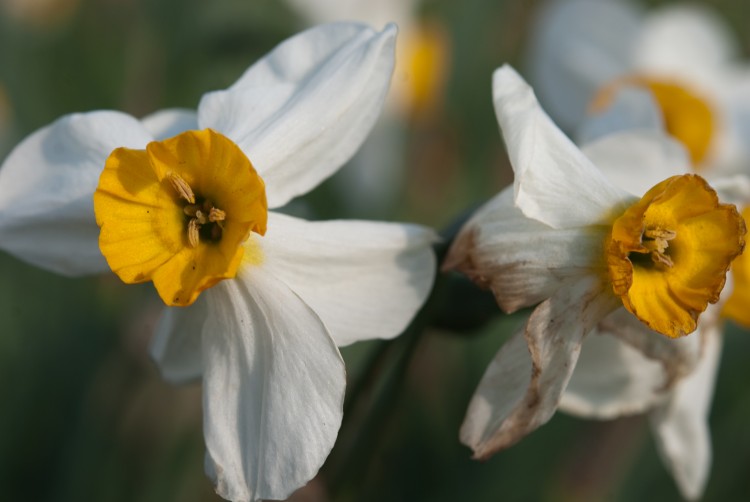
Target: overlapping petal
x: 176, y: 343
x: 522, y: 386
x: 522, y: 261
x: 612, y: 379
x: 364, y: 279
x: 677, y: 357
x: 680, y: 425
x: 46, y: 184
x: 626, y: 368
x: 554, y: 182
x: 273, y: 388
x: 304, y: 109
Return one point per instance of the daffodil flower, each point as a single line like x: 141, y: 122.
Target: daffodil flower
x: 261, y: 300
x: 624, y: 368
x: 565, y: 236
x: 605, y: 66
x: 585, y: 52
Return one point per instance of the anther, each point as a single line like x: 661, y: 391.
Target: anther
x: 216, y: 215
x: 201, y: 217
x: 193, y: 232
x: 181, y: 187
x: 661, y: 259
x: 656, y: 240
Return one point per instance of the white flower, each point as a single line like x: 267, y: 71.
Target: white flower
x: 549, y: 239
x: 624, y: 368
x: 674, y: 69
x: 264, y: 342
x: 584, y: 53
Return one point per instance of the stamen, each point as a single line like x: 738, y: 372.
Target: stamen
x: 181, y: 187
x: 191, y: 209
x: 661, y: 259
x: 656, y: 240
x: 201, y: 217
x: 202, y: 214
x: 193, y: 232
x: 216, y: 215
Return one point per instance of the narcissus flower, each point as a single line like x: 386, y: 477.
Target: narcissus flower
x: 612, y: 378
x: 565, y: 236
x: 584, y: 53
x: 183, y: 200
x: 625, y: 368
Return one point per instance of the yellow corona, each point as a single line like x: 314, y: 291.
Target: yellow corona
x: 178, y: 213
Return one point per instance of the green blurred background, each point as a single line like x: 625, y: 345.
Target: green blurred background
x: 84, y: 414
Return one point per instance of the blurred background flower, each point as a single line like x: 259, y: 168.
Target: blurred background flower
x: 85, y: 415
x: 375, y: 181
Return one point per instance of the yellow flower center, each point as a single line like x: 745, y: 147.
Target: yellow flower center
x: 687, y: 115
x: 737, y: 306
x: 667, y: 255
x: 178, y: 213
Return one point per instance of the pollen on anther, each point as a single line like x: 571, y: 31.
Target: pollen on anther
x: 193, y: 232
x: 216, y: 215
x: 181, y: 187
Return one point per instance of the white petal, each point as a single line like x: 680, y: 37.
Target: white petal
x: 47, y: 185
x: 730, y: 150
x: 364, y: 279
x: 637, y: 160
x: 521, y: 260
x: 554, y: 182
x: 521, y: 388
x: 612, y: 379
x: 176, y: 344
x: 303, y: 110
x: 577, y: 47
x: 170, y: 122
x: 732, y: 189
x: 687, y: 40
x: 631, y: 108
x: 678, y: 357
x: 273, y: 388
x: 680, y: 426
